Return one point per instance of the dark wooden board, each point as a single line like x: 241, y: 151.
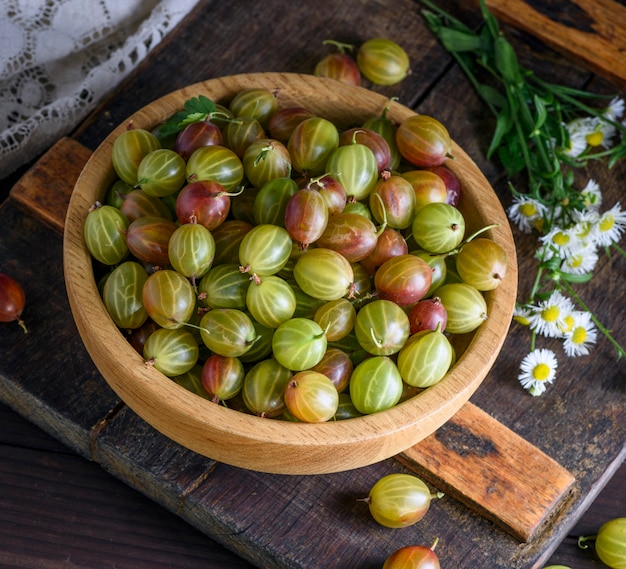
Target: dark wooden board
x: 269, y: 519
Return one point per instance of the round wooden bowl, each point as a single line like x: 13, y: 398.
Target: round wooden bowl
x: 244, y: 440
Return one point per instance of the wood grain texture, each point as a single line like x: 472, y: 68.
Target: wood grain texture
x: 276, y: 520
x: 590, y: 32
x: 43, y: 188
x: 496, y: 469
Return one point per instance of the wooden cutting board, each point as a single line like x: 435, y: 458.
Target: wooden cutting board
x: 504, y: 488
x: 589, y: 32
x: 509, y: 498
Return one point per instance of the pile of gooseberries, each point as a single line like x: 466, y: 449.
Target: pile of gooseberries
x: 266, y: 259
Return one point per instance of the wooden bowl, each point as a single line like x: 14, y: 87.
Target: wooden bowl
x: 270, y: 445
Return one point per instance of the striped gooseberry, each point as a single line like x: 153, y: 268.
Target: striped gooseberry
x: 217, y: 163
x: 271, y: 301
x: 383, y: 61
x: 256, y: 103
x: 482, y: 263
x: 241, y: 133
x: 284, y: 120
x: 311, y: 143
x: 105, y: 231
x: 191, y: 250
x: 425, y: 358
x: 122, y: 295
x: 264, y: 160
x: 355, y: 167
x: 311, y: 397
x: 381, y: 327
x: 423, y: 141
x: 169, y: 298
x: 172, y: 352
x: 12, y: 300
x: 323, y: 274
x: 148, y: 239
x: 227, y: 331
x: 299, y: 343
x: 438, y: 227
x: 223, y: 286
x: 416, y: 557
x: 138, y: 203
x: 399, y: 500
x: 465, y: 306
x: 339, y: 66
x: 374, y: 141
x: 427, y: 186
x: 610, y: 543
x: 264, y: 250
x: 404, y: 279
x: 205, y: 202
x: 375, y: 385
x: 161, y: 172
x: 270, y: 203
x: 337, y: 366
x: 392, y: 201
x: 195, y: 135
x: 129, y: 149
x: 337, y: 317
x: 264, y: 385
x: 306, y: 216
x: 222, y: 377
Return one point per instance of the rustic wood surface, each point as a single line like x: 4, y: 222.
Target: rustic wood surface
x: 272, y: 520
x: 592, y: 32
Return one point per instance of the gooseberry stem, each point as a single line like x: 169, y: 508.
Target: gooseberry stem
x: 584, y: 538
x: 339, y: 45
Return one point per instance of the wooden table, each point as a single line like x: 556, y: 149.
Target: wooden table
x: 60, y: 510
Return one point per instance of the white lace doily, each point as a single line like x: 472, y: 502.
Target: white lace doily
x: 58, y: 58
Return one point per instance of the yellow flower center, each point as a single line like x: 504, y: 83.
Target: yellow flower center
x: 583, y: 229
x: 575, y: 261
x: 595, y: 138
x: 606, y: 223
x: 579, y: 336
x: 541, y: 372
x: 522, y: 320
x: 528, y: 210
x: 550, y: 314
x: 561, y: 239
x: 568, y: 324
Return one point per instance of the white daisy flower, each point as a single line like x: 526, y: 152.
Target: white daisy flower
x: 548, y: 318
x: 610, y: 226
x: 537, y: 370
x: 560, y: 242
x: 615, y: 109
x: 603, y: 135
x: 592, y: 196
x: 581, y: 262
x: 582, y: 335
x: 522, y: 314
x: 578, y: 130
x: 585, y: 222
x: 526, y: 213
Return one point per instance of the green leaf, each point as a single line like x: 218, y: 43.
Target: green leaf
x: 458, y: 41
x: 492, y: 96
x: 542, y: 113
x: 576, y: 279
x: 503, y: 125
x: 195, y: 109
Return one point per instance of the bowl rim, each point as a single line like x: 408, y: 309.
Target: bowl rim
x: 244, y: 440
